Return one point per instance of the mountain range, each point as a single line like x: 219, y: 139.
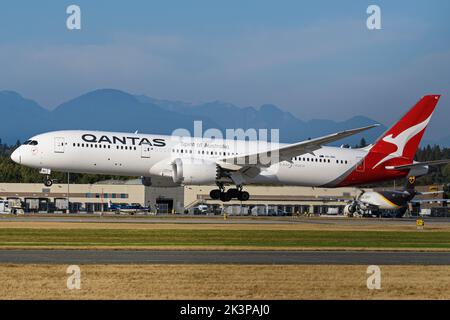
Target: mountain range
x: 115, y: 110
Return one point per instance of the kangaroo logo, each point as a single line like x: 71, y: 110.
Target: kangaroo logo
x: 401, y: 140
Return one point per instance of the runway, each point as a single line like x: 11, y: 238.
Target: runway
x: 242, y: 220
x: 222, y: 257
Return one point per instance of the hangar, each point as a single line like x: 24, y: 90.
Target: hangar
x: 91, y: 198
x: 96, y: 198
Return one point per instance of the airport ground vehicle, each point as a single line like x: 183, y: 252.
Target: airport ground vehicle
x: 11, y: 206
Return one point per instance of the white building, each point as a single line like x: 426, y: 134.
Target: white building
x: 96, y: 197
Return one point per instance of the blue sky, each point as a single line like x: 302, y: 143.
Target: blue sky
x: 315, y: 59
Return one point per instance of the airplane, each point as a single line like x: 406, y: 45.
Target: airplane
x: 127, y: 208
x: 397, y: 200
x: 170, y: 160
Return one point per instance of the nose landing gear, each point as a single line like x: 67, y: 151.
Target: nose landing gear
x: 233, y: 193
x: 48, y: 181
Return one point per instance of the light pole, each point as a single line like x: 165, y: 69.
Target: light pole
x: 68, y: 192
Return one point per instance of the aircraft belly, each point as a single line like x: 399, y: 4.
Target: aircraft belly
x: 382, y: 202
x: 297, y: 174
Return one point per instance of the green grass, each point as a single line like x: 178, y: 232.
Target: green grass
x: 229, y: 238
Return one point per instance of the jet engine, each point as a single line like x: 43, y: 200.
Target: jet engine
x: 158, y: 182
x: 193, y: 171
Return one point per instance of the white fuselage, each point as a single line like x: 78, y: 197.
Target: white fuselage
x: 130, y: 154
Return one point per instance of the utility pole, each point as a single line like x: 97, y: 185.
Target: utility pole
x: 68, y: 192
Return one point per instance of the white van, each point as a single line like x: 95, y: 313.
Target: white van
x: 4, y: 206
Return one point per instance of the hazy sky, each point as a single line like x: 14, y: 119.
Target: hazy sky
x: 315, y: 59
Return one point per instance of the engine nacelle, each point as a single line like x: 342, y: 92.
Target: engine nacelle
x: 193, y: 171
x: 146, y: 181
x: 158, y: 182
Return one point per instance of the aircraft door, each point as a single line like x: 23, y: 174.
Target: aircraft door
x: 59, y: 145
x: 361, y: 164
x: 145, y: 150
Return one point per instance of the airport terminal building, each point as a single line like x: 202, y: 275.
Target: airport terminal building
x: 91, y: 198
x: 98, y: 197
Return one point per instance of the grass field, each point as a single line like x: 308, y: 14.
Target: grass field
x: 223, y: 282
x: 204, y: 238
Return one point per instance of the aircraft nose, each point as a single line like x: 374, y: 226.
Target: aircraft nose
x: 16, y: 156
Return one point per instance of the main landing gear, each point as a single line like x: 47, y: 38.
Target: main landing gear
x: 233, y: 193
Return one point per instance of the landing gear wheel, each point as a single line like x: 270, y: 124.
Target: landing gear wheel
x: 243, y: 196
x: 225, y: 196
x: 234, y: 193
x: 215, y: 194
x: 48, y: 182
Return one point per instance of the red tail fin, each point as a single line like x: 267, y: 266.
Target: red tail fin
x: 403, y: 138
x: 395, y: 147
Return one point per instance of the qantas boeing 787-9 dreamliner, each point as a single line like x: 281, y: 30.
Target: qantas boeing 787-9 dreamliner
x: 223, y: 162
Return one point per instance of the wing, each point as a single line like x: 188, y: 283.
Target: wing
x: 286, y: 152
x: 419, y: 164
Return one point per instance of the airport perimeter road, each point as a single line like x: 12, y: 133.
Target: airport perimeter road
x: 221, y: 257
x: 183, y: 219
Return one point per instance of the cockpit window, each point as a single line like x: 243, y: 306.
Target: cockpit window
x: 31, y: 142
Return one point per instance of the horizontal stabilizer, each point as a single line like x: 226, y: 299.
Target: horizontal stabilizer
x: 429, y: 192
x: 419, y: 164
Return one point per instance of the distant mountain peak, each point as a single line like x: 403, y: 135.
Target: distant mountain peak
x: 116, y: 110
x: 109, y: 93
x: 11, y: 93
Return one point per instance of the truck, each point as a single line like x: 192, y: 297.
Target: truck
x: 425, y: 212
x: 13, y: 206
